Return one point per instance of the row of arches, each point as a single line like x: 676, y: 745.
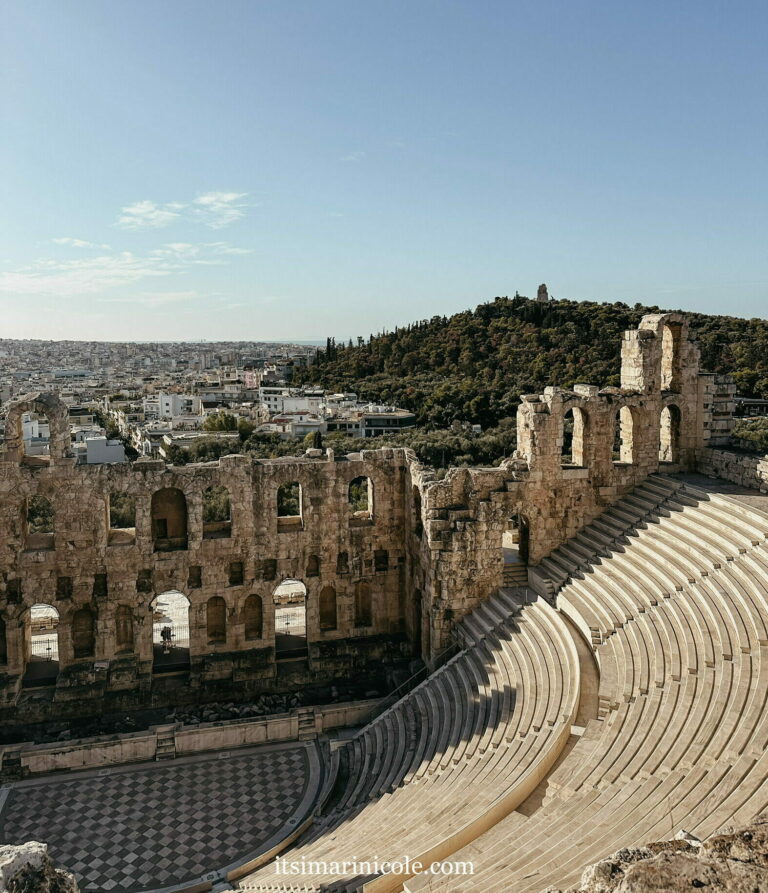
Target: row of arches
x: 171, y: 628
x: 169, y: 514
x: 575, y: 435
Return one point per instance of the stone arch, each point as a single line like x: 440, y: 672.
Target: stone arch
x: 574, y: 433
x: 41, y: 646
x: 56, y: 413
x: 169, y: 519
x: 83, y: 628
x: 624, y: 443
x: 290, y: 602
x: 216, y: 619
x: 217, y: 512
x: 124, y: 635
x: 328, y: 608
x: 671, y: 355
x: 170, y: 614
x: 360, y: 497
x: 670, y: 428
x: 253, y: 617
x: 363, y: 604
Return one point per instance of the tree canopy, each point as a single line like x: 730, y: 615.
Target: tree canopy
x: 473, y: 366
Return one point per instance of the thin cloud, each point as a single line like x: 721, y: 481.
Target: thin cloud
x: 148, y: 215
x: 354, y: 157
x: 219, y: 209
x: 78, y: 277
x: 155, y: 298
x: 94, y: 275
x: 77, y: 243
x: 215, y: 210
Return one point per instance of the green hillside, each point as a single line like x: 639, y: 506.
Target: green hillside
x: 472, y: 366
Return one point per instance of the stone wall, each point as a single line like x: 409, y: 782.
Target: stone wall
x: 427, y: 553
x: 115, y: 575
x: 745, y: 469
x: 28, y: 759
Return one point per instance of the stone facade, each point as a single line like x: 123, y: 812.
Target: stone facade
x: 381, y: 583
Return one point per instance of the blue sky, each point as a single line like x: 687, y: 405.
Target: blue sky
x: 298, y: 168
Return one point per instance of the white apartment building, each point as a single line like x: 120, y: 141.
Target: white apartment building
x: 167, y: 406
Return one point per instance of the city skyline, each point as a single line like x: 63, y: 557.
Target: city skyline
x: 277, y: 173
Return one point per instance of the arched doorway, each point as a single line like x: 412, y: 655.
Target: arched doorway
x: 514, y: 547
x: 290, y: 599
x: 574, y: 437
x: 328, y: 608
x: 669, y: 434
x: 83, y: 633
x: 624, y: 436
x: 170, y: 632
x: 41, y: 646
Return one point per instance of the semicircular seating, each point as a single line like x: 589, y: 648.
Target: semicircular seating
x: 681, y: 739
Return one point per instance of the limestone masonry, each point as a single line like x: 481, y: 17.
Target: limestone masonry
x: 391, y: 580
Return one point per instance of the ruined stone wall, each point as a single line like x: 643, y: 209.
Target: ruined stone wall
x: 430, y: 551
x: 739, y: 468
x: 466, y: 514
x: 87, y: 565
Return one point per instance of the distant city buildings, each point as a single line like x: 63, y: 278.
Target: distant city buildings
x: 149, y: 397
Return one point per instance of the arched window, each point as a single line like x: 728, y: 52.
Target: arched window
x: 671, y: 338
x: 39, y: 520
x: 289, y: 501
x: 122, y: 518
x: 363, y: 607
x: 328, y: 619
x: 360, y: 495
x: 217, y: 513
x: 574, y: 433
x: 170, y: 632
x: 669, y: 434
x: 253, y: 617
x: 313, y: 566
x: 290, y: 600
x: 124, y: 629
x: 3, y: 643
x: 216, y: 619
x: 169, y: 520
x: 41, y: 646
x: 624, y: 436
x: 83, y: 633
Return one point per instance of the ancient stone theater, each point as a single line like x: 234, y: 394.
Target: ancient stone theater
x: 590, y: 619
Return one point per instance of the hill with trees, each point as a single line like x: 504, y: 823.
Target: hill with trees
x: 473, y: 366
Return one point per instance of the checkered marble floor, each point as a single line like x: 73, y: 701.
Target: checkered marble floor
x: 151, y: 826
